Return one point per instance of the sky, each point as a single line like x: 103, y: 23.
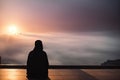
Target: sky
x: 74, y: 32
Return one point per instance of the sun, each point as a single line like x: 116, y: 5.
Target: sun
x: 12, y: 30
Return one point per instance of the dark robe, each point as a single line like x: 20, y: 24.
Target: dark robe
x: 37, y: 65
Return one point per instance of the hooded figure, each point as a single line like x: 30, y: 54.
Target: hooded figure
x: 37, y: 63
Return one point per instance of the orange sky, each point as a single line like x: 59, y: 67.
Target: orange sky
x: 73, y: 31
x: 48, y: 16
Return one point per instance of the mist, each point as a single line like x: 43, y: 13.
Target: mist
x: 85, y: 48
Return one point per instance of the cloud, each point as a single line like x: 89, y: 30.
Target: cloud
x: 77, y: 49
x: 83, y: 18
x: 90, y: 48
x: 64, y: 15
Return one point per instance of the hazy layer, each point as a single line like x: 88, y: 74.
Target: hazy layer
x: 62, y: 48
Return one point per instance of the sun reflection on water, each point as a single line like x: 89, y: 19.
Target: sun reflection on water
x: 12, y: 74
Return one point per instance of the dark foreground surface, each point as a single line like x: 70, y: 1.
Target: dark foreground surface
x: 65, y: 74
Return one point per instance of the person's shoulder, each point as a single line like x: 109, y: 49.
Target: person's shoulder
x: 44, y: 53
x: 31, y: 52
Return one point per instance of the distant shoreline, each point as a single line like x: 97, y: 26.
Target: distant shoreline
x: 16, y: 66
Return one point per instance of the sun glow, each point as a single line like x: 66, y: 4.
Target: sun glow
x: 12, y: 30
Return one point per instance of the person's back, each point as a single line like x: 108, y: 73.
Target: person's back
x: 37, y: 63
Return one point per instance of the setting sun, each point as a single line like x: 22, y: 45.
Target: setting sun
x: 12, y: 30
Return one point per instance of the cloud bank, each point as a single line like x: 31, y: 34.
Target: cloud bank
x: 89, y: 48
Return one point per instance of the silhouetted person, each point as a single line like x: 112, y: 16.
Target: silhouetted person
x: 37, y: 63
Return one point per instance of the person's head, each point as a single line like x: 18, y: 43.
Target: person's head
x: 38, y: 45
